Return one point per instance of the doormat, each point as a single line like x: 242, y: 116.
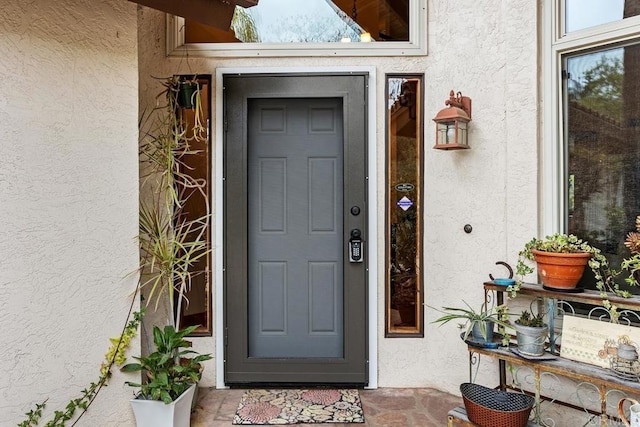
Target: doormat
x: 268, y: 407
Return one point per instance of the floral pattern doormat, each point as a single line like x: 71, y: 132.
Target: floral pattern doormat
x: 278, y: 407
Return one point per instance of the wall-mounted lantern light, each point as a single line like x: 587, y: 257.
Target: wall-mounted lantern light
x: 451, y: 123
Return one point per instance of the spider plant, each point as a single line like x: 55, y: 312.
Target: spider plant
x: 471, y: 317
x: 170, y: 243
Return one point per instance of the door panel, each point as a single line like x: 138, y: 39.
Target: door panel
x: 295, y: 308
x: 295, y: 153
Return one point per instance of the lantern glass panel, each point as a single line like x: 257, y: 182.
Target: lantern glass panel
x: 462, y: 133
x: 446, y: 133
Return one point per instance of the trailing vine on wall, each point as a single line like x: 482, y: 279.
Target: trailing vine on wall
x: 114, y: 356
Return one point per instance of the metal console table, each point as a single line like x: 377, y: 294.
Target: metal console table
x: 597, y: 390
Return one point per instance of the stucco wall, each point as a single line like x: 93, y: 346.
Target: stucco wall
x: 68, y: 200
x: 488, y: 51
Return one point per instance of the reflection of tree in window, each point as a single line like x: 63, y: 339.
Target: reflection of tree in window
x: 403, y: 184
x: 309, y: 21
x: 244, y: 26
x: 404, y: 236
x: 603, y: 118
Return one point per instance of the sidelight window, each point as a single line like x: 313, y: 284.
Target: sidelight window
x: 196, y: 307
x: 404, y: 296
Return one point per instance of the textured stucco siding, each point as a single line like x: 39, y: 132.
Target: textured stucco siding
x: 488, y: 50
x: 68, y: 200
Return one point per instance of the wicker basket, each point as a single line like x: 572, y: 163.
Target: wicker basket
x: 487, y: 407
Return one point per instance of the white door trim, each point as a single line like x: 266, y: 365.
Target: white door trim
x: 218, y: 153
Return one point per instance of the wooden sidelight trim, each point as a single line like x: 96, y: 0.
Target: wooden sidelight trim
x: 196, y: 204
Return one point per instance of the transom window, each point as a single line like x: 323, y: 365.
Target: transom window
x: 581, y: 14
x: 310, y: 21
x: 305, y: 28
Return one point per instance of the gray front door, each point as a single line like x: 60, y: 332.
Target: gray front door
x: 295, y: 186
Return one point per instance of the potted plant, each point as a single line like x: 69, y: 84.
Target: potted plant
x: 171, y: 244
x: 187, y: 94
x: 531, y: 333
x: 477, y: 323
x: 561, y: 259
x: 169, y: 378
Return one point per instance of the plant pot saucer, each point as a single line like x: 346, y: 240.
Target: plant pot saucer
x: 563, y: 290
x: 495, y: 342
x: 545, y: 356
x: 504, y: 282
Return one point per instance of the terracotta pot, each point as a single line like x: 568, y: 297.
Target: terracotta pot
x: 560, y: 271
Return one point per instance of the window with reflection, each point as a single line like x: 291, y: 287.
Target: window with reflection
x: 404, y: 296
x: 196, y: 307
x: 602, y: 139
x: 581, y: 14
x: 308, y: 21
x: 277, y: 28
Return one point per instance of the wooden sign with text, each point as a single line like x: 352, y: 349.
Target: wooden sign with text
x: 593, y: 341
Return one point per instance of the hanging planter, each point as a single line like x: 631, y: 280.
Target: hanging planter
x: 187, y: 93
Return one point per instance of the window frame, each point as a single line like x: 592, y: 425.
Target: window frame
x: 418, y: 331
x: 203, y: 330
x: 557, y: 44
x: 416, y: 46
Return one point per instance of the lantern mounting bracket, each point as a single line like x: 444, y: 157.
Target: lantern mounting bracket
x: 459, y: 101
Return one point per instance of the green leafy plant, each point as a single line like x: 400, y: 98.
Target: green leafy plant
x: 34, y: 415
x: 603, y: 273
x: 168, y: 371
x: 114, y: 356
x: 532, y: 320
x: 471, y: 317
x: 569, y: 243
x: 531, y: 332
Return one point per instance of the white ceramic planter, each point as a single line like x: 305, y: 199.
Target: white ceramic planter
x: 154, y: 413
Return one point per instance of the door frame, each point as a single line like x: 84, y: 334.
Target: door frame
x: 217, y: 209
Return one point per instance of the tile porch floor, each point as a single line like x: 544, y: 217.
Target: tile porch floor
x: 384, y: 407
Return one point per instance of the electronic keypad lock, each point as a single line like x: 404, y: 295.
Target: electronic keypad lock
x: 355, y: 246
